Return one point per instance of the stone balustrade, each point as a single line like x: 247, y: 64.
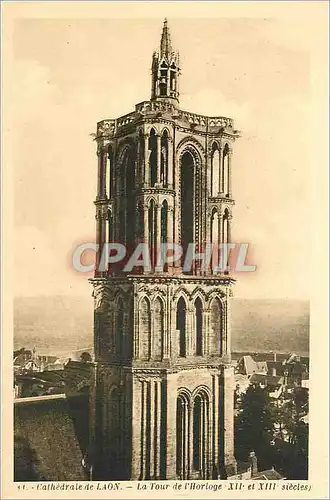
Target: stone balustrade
x: 108, y: 128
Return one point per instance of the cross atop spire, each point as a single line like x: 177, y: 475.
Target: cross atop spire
x: 165, y: 42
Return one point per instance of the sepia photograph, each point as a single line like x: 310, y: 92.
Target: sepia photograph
x: 162, y: 222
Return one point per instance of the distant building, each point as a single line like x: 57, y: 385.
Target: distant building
x: 274, y: 385
x: 247, y: 366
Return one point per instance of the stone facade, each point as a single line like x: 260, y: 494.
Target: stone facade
x: 163, y: 397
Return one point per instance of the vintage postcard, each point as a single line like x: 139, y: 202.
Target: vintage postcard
x: 164, y: 250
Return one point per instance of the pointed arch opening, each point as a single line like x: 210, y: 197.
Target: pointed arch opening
x: 200, y: 433
x: 225, y: 171
x: 181, y: 326
x: 145, y: 328
x: 225, y: 227
x: 140, y: 173
x: 139, y: 222
x: 182, y: 432
x: 216, y: 327
x: 163, y: 228
x: 158, y: 328
x: 215, y: 238
x: 164, y: 159
x: 199, y: 326
x: 187, y: 189
x: 163, y: 79
x: 126, y: 196
x: 215, y: 171
x: 152, y: 223
x: 153, y: 157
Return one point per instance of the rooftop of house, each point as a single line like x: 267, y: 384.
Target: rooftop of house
x: 270, y: 475
x: 269, y: 380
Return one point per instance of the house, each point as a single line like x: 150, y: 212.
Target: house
x: 273, y: 384
x: 247, y: 366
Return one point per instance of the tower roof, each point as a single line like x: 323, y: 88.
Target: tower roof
x: 165, y: 42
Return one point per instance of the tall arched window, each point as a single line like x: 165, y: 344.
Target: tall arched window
x: 215, y: 238
x: 164, y: 159
x: 126, y: 196
x: 172, y: 76
x: 122, y: 198
x: 225, y: 226
x: 120, y: 328
x: 110, y: 174
x: 225, y: 170
x: 215, y: 171
x: 140, y: 159
x: 199, y: 326
x: 200, y: 433
x: 182, y: 455
x: 163, y: 228
x: 158, y: 329
x: 215, y: 327
x: 130, y: 193
x: 153, y: 157
x: 181, y: 326
x: 152, y: 222
x: 164, y: 215
x: 145, y: 328
x: 187, y: 200
x: 139, y: 222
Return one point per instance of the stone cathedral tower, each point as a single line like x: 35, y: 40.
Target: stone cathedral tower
x: 163, y: 395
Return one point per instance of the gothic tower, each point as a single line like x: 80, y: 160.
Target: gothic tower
x: 163, y: 395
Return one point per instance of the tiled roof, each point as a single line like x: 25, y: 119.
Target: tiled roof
x: 270, y: 475
x: 51, y: 435
x: 266, y: 379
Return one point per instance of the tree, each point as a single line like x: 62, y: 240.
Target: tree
x: 255, y: 426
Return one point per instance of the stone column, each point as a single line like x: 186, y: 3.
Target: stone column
x: 104, y: 173
x: 170, y: 231
x: 189, y: 331
x: 152, y: 427
x: 228, y: 318
x: 171, y: 157
x: 220, y: 240
x: 145, y: 224
x: 228, y: 395
x: 146, y: 160
x: 215, y: 390
x: 190, y: 438
x: 158, y: 403
x: 144, y: 404
x: 229, y: 228
x: 99, y: 173
x: 206, y: 332
x: 158, y: 231
x: 158, y: 157
x: 171, y: 390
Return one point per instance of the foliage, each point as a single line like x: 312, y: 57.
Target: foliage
x: 255, y: 426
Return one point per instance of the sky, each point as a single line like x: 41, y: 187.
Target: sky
x: 69, y: 68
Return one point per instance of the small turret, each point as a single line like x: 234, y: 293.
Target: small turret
x: 165, y: 69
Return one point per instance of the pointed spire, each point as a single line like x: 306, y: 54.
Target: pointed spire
x: 165, y: 42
